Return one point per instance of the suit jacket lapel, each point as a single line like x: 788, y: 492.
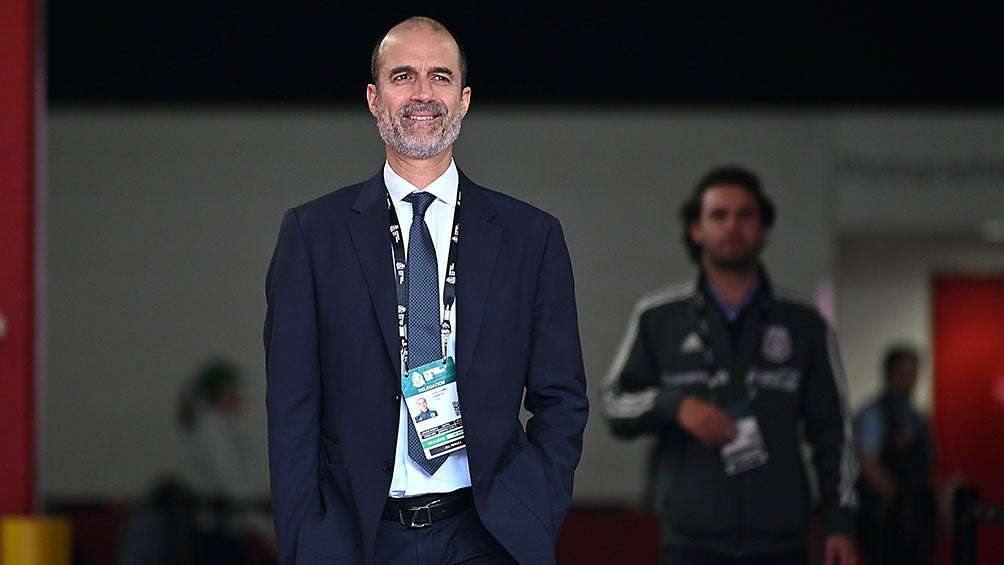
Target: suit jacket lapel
x: 370, y: 234
x: 476, y: 256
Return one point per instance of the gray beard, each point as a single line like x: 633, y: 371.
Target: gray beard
x: 396, y: 136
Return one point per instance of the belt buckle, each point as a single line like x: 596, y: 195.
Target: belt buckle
x: 415, y: 514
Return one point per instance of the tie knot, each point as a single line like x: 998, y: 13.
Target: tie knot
x: 420, y: 202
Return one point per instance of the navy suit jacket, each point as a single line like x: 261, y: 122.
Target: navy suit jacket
x: 332, y: 355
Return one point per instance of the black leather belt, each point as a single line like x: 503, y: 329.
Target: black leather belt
x: 420, y: 511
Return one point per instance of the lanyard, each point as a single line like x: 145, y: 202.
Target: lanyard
x: 449, y: 285
x: 716, y: 380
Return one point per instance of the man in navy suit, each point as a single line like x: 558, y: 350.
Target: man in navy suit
x: 354, y: 478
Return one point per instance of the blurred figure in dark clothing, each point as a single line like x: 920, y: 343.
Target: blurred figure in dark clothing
x: 160, y: 531
x: 898, y: 518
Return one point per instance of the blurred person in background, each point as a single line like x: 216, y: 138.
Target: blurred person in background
x: 231, y: 514
x: 160, y: 530
x: 898, y: 516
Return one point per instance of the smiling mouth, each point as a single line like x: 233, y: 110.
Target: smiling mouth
x: 423, y: 112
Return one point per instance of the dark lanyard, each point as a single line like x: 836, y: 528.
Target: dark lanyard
x: 449, y: 286
x: 708, y: 353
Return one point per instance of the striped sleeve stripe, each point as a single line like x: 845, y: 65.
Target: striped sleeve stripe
x: 846, y: 491
x: 848, y: 462
x: 614, y: 402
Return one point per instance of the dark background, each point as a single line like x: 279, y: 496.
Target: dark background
x: 719, y: 55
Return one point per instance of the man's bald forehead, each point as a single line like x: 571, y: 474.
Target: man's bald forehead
x: 420, y: 22
x: 416, y: 24
x: 412, y: 24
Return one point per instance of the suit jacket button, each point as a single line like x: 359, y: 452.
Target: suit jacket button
x: 388, y: 466
x: 397, y: 398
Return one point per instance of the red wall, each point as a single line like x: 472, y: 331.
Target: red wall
x: 17, y: 190
x: 968, y: 319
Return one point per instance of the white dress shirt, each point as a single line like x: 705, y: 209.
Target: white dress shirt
x: 409, y: 479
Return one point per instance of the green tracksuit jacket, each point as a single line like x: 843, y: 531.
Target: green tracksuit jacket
x: 777, y: 362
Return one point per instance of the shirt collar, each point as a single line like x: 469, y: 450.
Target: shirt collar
x: 444, y: 187
x: 731, y: 314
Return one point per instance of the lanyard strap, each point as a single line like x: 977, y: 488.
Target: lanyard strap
x: 708, y: 353
x: 400, y: 267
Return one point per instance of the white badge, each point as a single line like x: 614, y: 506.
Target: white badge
x: 747, y: 450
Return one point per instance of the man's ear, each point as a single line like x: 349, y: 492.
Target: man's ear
x: 371, y: 99
x: 465, y: 101
x: 694, y: 231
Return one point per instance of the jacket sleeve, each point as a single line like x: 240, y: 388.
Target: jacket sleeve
x: 633, y: 401
x: 829, y: 431
x: 556, y: 383
x: 292, y: 394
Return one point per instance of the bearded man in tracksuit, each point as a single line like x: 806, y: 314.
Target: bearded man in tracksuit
x: 731, y: 374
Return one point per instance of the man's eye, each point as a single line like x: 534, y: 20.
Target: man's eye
x: 441, y: 78
x: 400, y: 77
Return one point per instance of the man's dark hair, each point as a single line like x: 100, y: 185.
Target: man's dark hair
x: 418, y: 20
x: 690, y: 210
x: 893, y: 355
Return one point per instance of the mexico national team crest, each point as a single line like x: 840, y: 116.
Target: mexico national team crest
x: 776, y: 346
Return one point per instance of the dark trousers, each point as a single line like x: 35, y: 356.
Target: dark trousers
x: 697, y: 556
x: 460, y: 538
x: 904, y: 532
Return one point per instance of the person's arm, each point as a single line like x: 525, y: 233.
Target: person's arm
x: 828, y: 429
x: 877, y: 476
x: 869, y: 438
x: 556, y: 383
x: 839, y: 549
x: 710, y: 425
x: 293, y: 393
x: 634, y: 403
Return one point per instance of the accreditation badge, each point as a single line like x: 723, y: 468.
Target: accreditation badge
x: 430, y: 391
x: 747, y: 451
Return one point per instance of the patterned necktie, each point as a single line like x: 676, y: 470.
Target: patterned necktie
x: 424, y: 341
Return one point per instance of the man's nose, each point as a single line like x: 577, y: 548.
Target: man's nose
x: 423, y: 90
